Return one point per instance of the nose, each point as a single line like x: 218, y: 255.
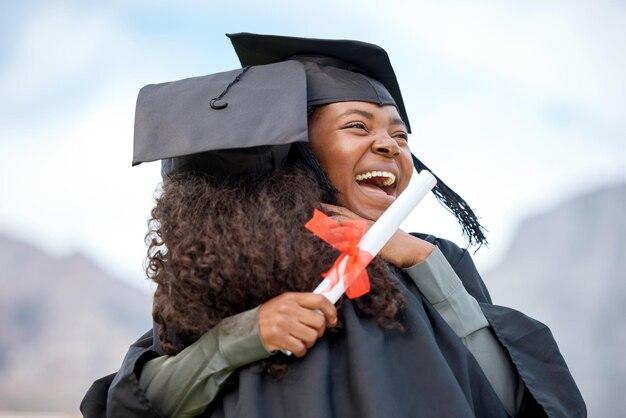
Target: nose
x: 386, y: 146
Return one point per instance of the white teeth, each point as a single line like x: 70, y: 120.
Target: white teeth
x: 390, y: 178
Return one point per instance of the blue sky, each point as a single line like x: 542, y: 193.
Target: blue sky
x: 516, y: 105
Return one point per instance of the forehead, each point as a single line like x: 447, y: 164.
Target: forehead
x: 339, y: 110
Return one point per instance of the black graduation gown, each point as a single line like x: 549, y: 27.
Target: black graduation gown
x: 370, y: 372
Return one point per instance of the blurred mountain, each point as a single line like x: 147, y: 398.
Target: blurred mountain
x: 567, y: 268
x: 63, y: 323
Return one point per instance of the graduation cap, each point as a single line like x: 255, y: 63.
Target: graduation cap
x: 226, y: 123
x: 246, y: 120
x: 243, y: 120
x: 336, y: 70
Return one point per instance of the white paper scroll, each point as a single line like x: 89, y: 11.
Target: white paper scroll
x: 383, y: 229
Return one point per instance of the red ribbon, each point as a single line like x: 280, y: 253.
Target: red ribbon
x: 345, y: 237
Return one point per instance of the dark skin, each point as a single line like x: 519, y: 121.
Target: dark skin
x: 363, y: 149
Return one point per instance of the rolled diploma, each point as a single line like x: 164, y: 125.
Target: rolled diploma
x: 383, y: 229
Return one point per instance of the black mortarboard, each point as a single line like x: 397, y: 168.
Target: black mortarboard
x: 225, y: 123
x: 336, y: 70
x: 245, y: 120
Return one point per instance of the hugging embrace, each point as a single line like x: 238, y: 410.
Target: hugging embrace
x: 246, y: 157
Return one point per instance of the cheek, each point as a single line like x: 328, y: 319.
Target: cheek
x: 338, y: 156
x: 407, y: 170
x: 340, y: 174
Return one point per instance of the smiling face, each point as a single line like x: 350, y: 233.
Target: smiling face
x: 364, y: 151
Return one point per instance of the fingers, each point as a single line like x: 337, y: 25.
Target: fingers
x: 315, y: 320
x: 340, y: 218
x: 294, y: 345
x: 339, y: 210
x: 304, y: 333
x: 315, y: 301
x: 294, y: 321
x: 341, y: 214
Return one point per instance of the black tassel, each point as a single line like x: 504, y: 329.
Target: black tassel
x: 214, y: 101
x: 472, y: 229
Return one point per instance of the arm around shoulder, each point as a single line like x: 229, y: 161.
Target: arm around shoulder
x: 527, y: 345
x: 183, y: 385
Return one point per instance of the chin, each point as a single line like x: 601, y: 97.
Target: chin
x: 367, y: 207
x: 367, y: 211
x: 369, y: 202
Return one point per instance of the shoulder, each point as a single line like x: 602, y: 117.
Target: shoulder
x: 462, y: 263
x: 120, y: 391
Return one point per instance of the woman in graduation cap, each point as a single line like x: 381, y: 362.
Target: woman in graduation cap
x: 247, y: 155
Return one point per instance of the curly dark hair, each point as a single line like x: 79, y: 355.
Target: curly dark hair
x: 218, y: 247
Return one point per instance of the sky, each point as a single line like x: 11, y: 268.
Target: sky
x: 515, y: 105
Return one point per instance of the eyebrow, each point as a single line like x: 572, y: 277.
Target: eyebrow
x: 397, y: 121
x: 364, y: 113
x: 369, y: 115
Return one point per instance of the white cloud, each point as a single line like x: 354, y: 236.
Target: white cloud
x: 55, y: 45
x: 67, y: 55
x: 568, y: 50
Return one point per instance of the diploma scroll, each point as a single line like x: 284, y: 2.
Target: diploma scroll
x: 383, y: 229
x: 387, y: 225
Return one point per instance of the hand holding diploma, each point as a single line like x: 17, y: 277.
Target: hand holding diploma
x: 294, y: 321
x: 348, y: 272
x: 402, y: 250
x: 339, y: 278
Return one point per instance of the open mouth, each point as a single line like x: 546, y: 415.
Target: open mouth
x: 378, y: 183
